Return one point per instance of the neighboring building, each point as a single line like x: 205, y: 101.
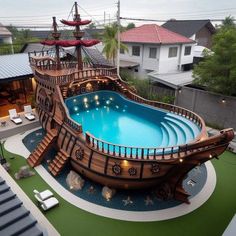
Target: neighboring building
x: 16, y: 85
x: 199, y: 30
x: 5, y: 35
x: 6, y: 46
x: 154, y: 48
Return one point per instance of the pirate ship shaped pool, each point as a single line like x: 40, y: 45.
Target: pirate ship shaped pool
x: 107, y: 163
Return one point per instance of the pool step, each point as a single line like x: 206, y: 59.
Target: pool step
x: 37, y: 155
x: 165, y: 137
x: 172, y: 138
x: 194, y: 129
x: 187, y: 130
x: 180, y: 130
x: 57, y: 164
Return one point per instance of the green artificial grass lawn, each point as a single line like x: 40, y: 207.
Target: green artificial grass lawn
x: 210, y: 219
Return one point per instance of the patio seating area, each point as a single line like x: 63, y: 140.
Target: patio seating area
x: 9, y: 128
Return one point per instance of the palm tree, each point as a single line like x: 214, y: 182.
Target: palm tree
x: 111, y: 43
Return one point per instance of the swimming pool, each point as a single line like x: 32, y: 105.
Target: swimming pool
x: 112, y: 118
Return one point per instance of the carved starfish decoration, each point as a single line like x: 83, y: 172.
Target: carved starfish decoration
x: 148, y: 201
x: 32, y: 141
x: 38, y: 134
x: 127, y: 201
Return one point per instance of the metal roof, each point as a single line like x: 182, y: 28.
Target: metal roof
x: 15, y: 219
x: 128, y: 64
x: 173, y: 80
x: 188, y: 27
x: 35, y: 47
x: 14, y: 66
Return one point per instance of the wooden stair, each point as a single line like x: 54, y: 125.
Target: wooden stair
x: 57, y: 164
x: 120, y: 86
x: 37, y: 155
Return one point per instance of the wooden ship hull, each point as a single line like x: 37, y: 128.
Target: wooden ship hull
x: 57, y: 80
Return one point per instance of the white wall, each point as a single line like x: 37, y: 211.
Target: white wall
x: 168, y: 65
x: 151, y: 63
x: 127, y: 56
x: 187, y: 59
x: 162, y: 63
x: 5, y: 39
x: 171, y: 64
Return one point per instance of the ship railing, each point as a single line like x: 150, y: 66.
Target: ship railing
x: 160, y: 153
x: 173, y: 109
x: 76, y: 76
x: 72, y: 124
x: 67, y: 120
x: 45, y: 61
x: 137, y: 153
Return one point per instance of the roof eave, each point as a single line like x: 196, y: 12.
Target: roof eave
x: 159, y: 43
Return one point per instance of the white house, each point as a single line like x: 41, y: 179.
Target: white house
x: 5, y: 35
x: 154, y: 48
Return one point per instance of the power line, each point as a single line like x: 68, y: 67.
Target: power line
x: 140, y: 19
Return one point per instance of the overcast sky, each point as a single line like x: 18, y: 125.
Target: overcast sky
x: 36, y: 12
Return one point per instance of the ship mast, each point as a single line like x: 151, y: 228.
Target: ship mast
x: 78, y: 35
x: 56, y: 35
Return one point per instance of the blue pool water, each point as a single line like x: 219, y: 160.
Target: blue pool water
x: 141, y: 200
x: 111, y: 117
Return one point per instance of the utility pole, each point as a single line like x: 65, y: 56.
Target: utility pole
x: 118, y: 38
x: 104, y: 18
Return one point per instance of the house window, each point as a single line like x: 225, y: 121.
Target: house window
x: 122, y: 51
x: 152, y: 53
x: 173, y: 52
x: 136, y: 51
x: 187, y: 50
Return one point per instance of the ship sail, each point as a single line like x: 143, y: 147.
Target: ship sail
x: 70, y: 43
x: 76, y: 23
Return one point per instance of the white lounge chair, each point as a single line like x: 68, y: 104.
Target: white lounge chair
x: 14, y: 117
x: 49, y: 203
x: 41, y: 196
x: 28, y: 112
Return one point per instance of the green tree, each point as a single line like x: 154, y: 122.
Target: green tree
x: 228, y: 22
x: 218, y: 70
x: 130, y: 26
x: 111, y: 43
x: 91, y: 26
x: 20, y: 37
